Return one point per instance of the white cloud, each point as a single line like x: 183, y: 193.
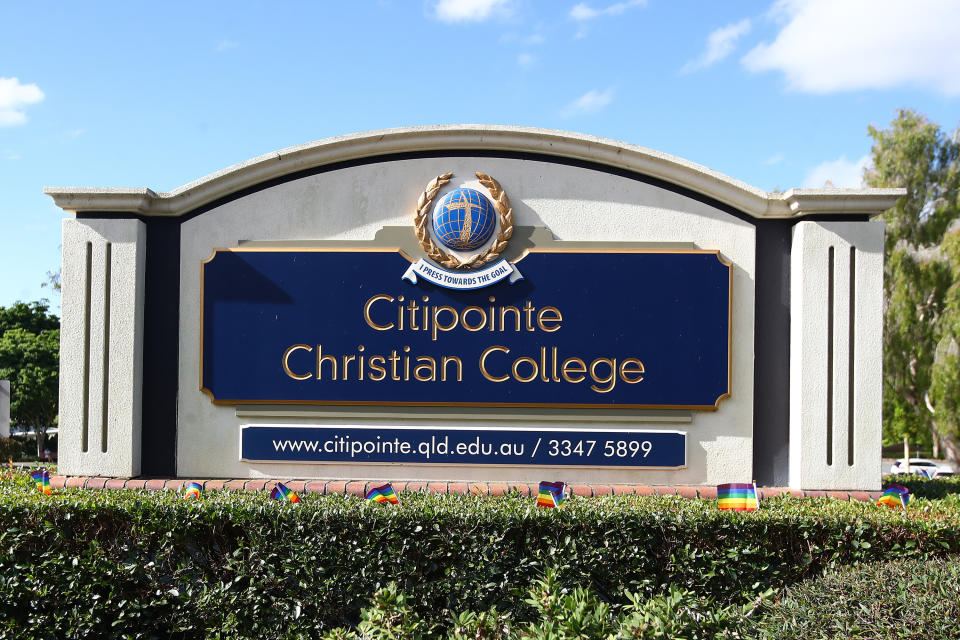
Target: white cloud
x: 826, y: 46
x: 534, y: 39
x: 776, y: 158
x: 583, y: 11
x: 467, y: 10
x: 13, y: 98
x: 226, y: 45
x: 720, y: 44
x: 526, y: 61
x: 9, y: 154
x: 590, y: 102
x: 840, y: 173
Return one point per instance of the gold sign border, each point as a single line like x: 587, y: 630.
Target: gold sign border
x: 517, y: 405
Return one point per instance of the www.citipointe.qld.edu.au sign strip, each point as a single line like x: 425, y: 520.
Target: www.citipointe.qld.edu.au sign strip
x: 540, y: 447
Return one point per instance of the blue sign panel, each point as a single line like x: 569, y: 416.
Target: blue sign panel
x: 579, y: 329
x: 538, y: 447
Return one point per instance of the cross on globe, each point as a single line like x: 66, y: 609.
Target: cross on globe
x: 463, y: 219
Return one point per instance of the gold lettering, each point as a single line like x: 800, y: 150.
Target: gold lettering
x: 443, y: 327
x: 394, y: 359
x: 321, y: 359
x: 471, y: 327
x: 568, y: 368
x: 483, y: 363
x: 286, y: 361
x: 638, y: 371
x: 455, y: 360
x: 503, y: 315
x: 611, y: 379
x: 516, y: 366
x: 366, y: 313
x: 528, y: 311
x: 428, y: 363
x: 412, y: 307
x: 378, y: 368
x: 549, y: 314
x: 346, y: 368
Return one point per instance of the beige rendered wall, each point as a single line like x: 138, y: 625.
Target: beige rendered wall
x: 575, y: 204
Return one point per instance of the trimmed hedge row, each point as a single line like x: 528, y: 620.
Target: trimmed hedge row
x: 140, y: 564
x: 903, y: 599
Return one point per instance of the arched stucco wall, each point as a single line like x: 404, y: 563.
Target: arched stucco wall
x: 132, y: 278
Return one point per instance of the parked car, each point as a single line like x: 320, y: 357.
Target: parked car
x: 922, y: 467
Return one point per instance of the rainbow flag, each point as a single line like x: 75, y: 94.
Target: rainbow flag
x: 193, y: 491
x: 895, y: 496
x: 738, y: 496
x: 281, y: 492
x: 42, y: 478
x: 383, y: 493
x: 551, y: 494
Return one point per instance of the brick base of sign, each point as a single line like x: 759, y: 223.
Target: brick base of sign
x: 361, y: 487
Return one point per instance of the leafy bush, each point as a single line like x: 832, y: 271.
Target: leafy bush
x: 9, y: 450
x: 901, y: 599
x: 238, y: 565
x: 560, y: 615
x: 923, y: 488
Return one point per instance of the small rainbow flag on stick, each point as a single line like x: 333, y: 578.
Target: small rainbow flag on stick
x: 551, y: 494
x: 42, y: 478
x: 737, y: 496
x: 281, y: 492
x: 193, y: 491
x: 895, y: 496
x: 383, y: 493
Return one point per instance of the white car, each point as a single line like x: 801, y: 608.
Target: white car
x: 922, y: 467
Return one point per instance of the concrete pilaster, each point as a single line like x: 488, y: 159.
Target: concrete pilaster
x: 101, y: 361
x: 4, y: 408
x: 836, y: 357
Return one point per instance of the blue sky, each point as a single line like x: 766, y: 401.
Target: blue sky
x: 136, y: 94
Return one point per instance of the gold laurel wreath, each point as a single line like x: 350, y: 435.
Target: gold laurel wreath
x: 445, y: 259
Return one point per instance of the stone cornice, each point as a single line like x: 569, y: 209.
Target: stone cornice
x: 748, y: 199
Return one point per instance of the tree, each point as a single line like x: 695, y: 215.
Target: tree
x: 915, y: 153
x: 945, y: 374
x: 31, y: 316
x: 30, y: 360
x: 52, y: 281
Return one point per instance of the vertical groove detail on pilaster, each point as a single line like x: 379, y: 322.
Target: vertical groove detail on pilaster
x: 105, y: 398
x: 830, y: 310
x: 85, y: 426
x: 851, y: 355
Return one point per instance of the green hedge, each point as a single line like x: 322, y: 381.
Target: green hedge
x: 921, y: 487
x: 901, y: 599
x: 142, y: 564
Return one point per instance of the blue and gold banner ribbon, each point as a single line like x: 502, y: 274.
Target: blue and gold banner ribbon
x: 500, y: 270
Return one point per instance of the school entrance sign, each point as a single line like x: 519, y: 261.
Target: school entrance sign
x: 470, y: 302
